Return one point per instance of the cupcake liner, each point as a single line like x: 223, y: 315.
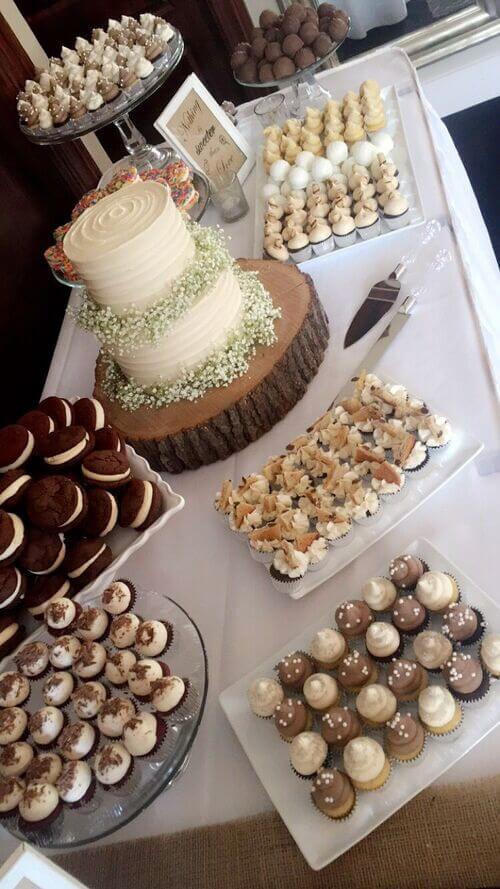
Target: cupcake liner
x: 344, y: 540
x: 317, y: 565
x: 479, y: 631
x: 170, y: 636
x: 331, y: 818
x: 474, y: 697
x: 87, y: 796
x: 43, y: 675
x: 447, y: 736
x: 417, y: 470
x: 186, y: 707
x: 374, y: 789
x: 262, y: 557
x: 286, y: 584
x: 165, y: 743
x: 324, y: 246
x: 369, y: 519
x: 8, y: 818
x: 389, y: 495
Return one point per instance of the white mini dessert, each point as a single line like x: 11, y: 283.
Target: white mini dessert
x: 77, y: 740
x: 152, y: 638
x: 379, y: 593
x: 58, y: 688
x: 88, y: 699
x: 39, y: 801
x: 61, y: 614
x: 112, y: 764
x: 32, y: 659
x: 436, y: 590
x: 264, y: 695
x: 92, y: 624
x: 14, y: 689
x: 308, y: 752
x: 142, y: 675
x: 45, y: 725
x: 15, y: 759
x: 118, y: 667
x: 90, y: 661
x: 113, y: 715
x: 327, y: 648
x: 65, y: 652
x: 44, y: 768
x: 75, y: 781
x: 117, y: 597
x: 376, y: 704
x: 490, y: 653
x: 123, y: 630
x: 321, y: 691
x: 140, y: 734
x: 13, y: 724
x: 168, y: 693
x: 11, y: 794
x: 382, y: 640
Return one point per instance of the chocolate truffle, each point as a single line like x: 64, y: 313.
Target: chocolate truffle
x: 322, y: 45
x: 357, y: 670
x: 66, y: 447
x: 406, y: 679
x: 290, y: 25
x: 16, y: 447
x: 337, y: 29
x: 59, y: 409
x: 32, y: 659
x: 12, y: 537
x: 297, y: 11
x: 102, y: 514
x: 304, y: 57
x: 463, y: 624
x: 404, y: 737
x: 44, y: 551
x: 291, y: 45
x: 326, y: 9
x: 268, y: 19
x: 89, y: 413
x: 86, y: 559
x: 238, y: 58
x: 404, y: 571
x: 294, y: 669
x: 106, y: 469
x: 258, y: 48
x: 13, y: 486
x: 353, y: 618
x: 248, y: 71
x: 273, y: 35
x: 273, y: 52
x: 12, y: 587
x: 11, y: 633
x: 55, y: 503
x: 14, y: 689
x: 284, y: 67
x: 13, y: 724
x: 140, y: 505
x: 308, y: 33
x: 44, y: 591
x: 339, y: 725
x: 265, y: 72
x: 464, y: 677
x: 409, y: 615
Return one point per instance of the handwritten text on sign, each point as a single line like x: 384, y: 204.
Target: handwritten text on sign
x: 205, y: 139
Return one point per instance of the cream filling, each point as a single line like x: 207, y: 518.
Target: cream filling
x: 99, y: 477
x: 41, y: 609
x: 79, y: 571
x: 70, y: 454
x: 13, y: 488
x: 100, y: 419
x: 145, y: 507
x: 8, y: 633
x: 12, y: 598
x: 23, y: 456
x: 17, y: 538
x: 78, y: 508
x: 67, y: 412
x: 113, y: 517
x: 57, y: 561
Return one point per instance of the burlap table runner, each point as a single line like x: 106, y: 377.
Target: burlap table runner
x: 446, y: 838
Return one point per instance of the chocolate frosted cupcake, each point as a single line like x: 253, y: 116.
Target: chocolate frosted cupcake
x: 333, y: 793
x: 405, y: 571
x: 383, y: 641
x: 328, y: 647
x: 463, y: 624
x: 294, y: 669
x: 406, y: 679
x: 465, y: 677
x: 409, y: 615
x: 292, y: 717
x: 404, y: 737
x: 432, y: 650
x: 353, y: 618
x: 339, y: 725
x: 308, y: 753
x: 357, y: 670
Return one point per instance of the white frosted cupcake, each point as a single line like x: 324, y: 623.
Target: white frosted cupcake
x: 435, y: 431
x: 396, y: 209
x: 299, y: 247
x: 367, y: 222
x: 288, y: 568
x: 317, y: 553
x: 343, y: 228
x: 379, y: 593
x: 320, y: 237
x: 328, y: 647
x: 264, y: 695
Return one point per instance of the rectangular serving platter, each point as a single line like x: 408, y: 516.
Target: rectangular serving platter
x: 402, y: 158
x: 320, y: 840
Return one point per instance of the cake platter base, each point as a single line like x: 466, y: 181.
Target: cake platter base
x: 187, y: 435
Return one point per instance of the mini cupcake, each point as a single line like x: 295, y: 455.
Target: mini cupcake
x: 113, y: 765
x: 13, y: 725
x: 76, y: 784
x: 11, y: 794
x: 288, y: 568
x: 343, y: 228
x: 366, y: 764
x: 275, y: 248
x: 299, y: 248
x: 144, y: 734
x: 412, y: 455
x: 437, y: 591
x: 490, y: 654
x: 91, y: 661
x: 439, y: 713
x: 291, y: 718
x: 40, y: 806
x: 338, y: 529
x: 123, y: 629
x: 387, y: 479
x: 353, y: 618
x: 263, y: 543
x: 405, y: 571
x: 92, y: 624
x: 15, y: 759
x: 367, y: 222
x: 294, y: 669
x: 320, y: 237
x: 118, y: 667
x: 406, y: 679
x: 168, y: 695
x: 44, y: 768
x: 435, y: 431
x: 58, y: 688
x: 409, y: 616
x: 432, y: 650
x: 379, y: 593
x: 32, y: 660
x: 396, y: 210
x: 308, y: 753
x: 14, y: 689
x: 404, y: 737
x: 383, y: 641
x: 65, y: 652
x: 88, y: 699
x: 316, y: 551
x: 321, y: 692
x: 463, y: 624
x: 264, y: 695
x: 376, y: 704
x: 339, y: 725
x: 367, y: 509
x: 153, y: 637
x: 113, y: 715
x: 333, y: 794
x: 465, y: 677
x: 328, y: 647
x: 61, y: 616
x: 118, y: 597
x: 143, y: 674
x: 357, y: 670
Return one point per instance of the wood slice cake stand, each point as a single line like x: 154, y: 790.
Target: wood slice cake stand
x: 186, y: 435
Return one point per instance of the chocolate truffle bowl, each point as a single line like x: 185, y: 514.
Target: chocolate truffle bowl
x: 103, y: 808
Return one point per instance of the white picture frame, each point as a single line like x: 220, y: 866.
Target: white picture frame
x: 164, y: 125
x: 27, y: 868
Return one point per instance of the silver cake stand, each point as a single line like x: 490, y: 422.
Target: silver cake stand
x: 140, y: 153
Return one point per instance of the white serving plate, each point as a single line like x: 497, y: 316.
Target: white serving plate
x: 320, y: 840
x: 401, y: 157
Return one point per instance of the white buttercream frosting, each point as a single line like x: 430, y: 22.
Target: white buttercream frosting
x: 379, y: 593
x: 376, y: 703
x: 436, y: 706
x: 436, y: 590
x: 308, y: 752
x: 264, y: 695
x: 364, y: 759
x: 490, y: 653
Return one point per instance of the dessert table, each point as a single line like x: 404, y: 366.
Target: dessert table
x: 445, y: 354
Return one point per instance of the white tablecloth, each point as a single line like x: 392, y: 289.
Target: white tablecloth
x: 440, y: 355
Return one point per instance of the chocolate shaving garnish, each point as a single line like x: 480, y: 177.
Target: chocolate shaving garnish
x: 11, y: 683
x: 88, y: 618
x: 145, y: 634
x: 115, y: 706
x: 87, y: 655
x: 71, y: 735
x: 9, y: 755
x: 109, y: 757
x: 30, y: 654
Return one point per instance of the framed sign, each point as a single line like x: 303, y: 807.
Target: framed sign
x: 197, y: 126
x: 28, y: 869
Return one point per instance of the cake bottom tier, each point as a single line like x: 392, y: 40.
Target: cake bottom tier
x: 187, y: 435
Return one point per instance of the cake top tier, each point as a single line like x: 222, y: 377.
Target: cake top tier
x: 118, y: 221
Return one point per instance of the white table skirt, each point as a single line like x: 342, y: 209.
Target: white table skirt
x: 440, y: 355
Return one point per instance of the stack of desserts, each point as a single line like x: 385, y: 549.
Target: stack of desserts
x: 104, y: 706
x: 356, y: 457
x: 285, y: 44
x: 373, y: 688
x: 65, y: 483
x: 95, y: 72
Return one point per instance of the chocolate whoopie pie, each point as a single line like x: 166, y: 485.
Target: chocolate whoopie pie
x: 86, y: 559
x: 59, y: 409
x: 44, y: 551
x: 89, y: 412
x: 12, y: 537
x: 39, y: 424
x: 102, y: 514
x: 12, y: 586
x: 66, y: 447
x: 45, y: 590
x: 56, y: 503
x: 107, y: 439
x: 16, y: 447
x: 106, y: 469
x: 140, y: 505
x: 13, y: 485
x: 11, y: 633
